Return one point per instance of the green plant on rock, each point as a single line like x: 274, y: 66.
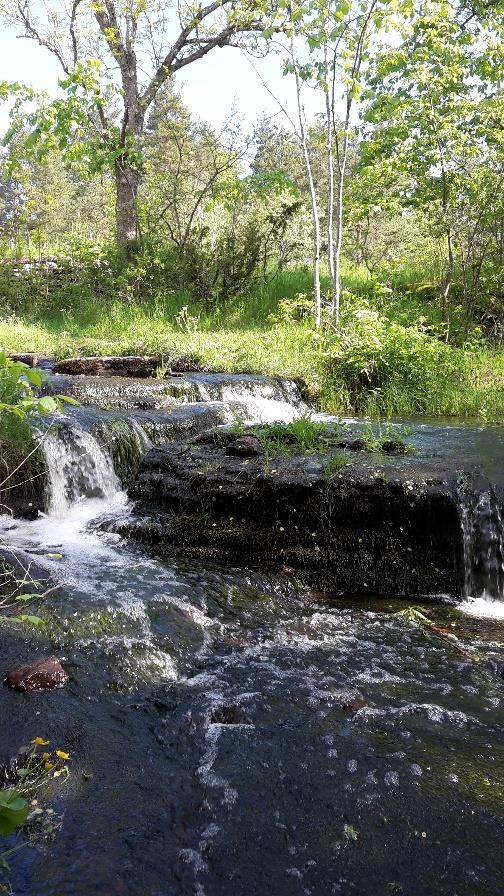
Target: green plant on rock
x: 18, y: 802
x: 334, y: 464
x: 18, y: 383
x: 302, y: 436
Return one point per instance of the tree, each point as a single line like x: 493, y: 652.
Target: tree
x: 115, y: 58
x: 186, y: 163
x: 435, y: 114
x: 42, y: 201
x: 340, y: 37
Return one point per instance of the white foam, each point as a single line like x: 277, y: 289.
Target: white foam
x: 484, y: 607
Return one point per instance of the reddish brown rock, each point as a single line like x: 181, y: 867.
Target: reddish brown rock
x: 42, y: 675
x: 228, y: 715
x: 128, y: 365
x: 31, y: 359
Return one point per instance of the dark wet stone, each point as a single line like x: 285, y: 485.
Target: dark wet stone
x: 29, y: 358
x: 228, y: 715
x: 42, y: 675
x: 393, y: 446
x: 363, y: 532
x: 128, y: 366
x: 27, y: 510
x: 353, y: 445
x: 245, y: 446
x: 352, y: 704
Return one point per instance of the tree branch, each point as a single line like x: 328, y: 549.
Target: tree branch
x: 31, y: 32
x: 175, y: 60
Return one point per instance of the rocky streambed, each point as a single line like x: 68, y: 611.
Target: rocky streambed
x: 248, y: 702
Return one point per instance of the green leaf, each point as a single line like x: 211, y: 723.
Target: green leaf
x: 13, y: 811
x: 32, y: 620
x: 47, y: 405
x: 34, y: 376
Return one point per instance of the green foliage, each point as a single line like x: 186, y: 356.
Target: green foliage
x: 17, y: 395
x: 335, y: 464
x: 434, y: 138
x: 388, y: 360
x: 13, y: 811
x: 302, y: 436
x: 63, y: 123
x: 16, y: 802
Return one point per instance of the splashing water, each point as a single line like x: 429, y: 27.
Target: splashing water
x: 483, y: 544
x: 77, y: 467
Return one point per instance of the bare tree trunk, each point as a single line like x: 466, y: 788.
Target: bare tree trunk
x: 330, y: 174
x: 448, y: 280
x: 338, y: 242
x: 127, y: 183
x: 343, y: 155
x: 313, y: 194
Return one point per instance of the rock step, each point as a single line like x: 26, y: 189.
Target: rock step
x: 360, y: 531
x: 139, y: 366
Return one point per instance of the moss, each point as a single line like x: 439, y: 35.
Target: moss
x: 125, y: 448
x: 82, y: 627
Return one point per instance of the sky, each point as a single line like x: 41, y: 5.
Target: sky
x: 211, y: 87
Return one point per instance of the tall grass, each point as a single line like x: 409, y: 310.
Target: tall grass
x: 389, y: 361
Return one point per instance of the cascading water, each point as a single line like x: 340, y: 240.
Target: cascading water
x: 483, y: 544
x: 358, y: 730
x: 89, y: 450
x: 77, y: 467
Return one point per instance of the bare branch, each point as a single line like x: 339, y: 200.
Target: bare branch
x: 189, y: 37
x: 32, y: 33
x: 73, y: 36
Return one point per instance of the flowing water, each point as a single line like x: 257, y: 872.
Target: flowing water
x: 234, y: 734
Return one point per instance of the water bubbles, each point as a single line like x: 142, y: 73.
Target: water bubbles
x: 391, y: 779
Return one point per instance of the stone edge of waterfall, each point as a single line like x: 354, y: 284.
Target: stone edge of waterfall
x: 392, y: 531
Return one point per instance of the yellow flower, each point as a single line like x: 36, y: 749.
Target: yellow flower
x: 46, y: 756
x: 62, y: 755
x: 48, y: 766
x: 40, y: 742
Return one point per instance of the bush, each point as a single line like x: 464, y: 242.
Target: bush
x: 389, y: 369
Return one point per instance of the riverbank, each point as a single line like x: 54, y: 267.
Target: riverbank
x: 388, y: 360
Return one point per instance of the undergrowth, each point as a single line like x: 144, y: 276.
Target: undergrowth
x: 390, y: 357
x: 22, y: 463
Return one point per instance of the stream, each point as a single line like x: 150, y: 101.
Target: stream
x: 233, y: 733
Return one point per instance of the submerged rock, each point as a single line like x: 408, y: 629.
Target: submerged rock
x: 360, y: 530
x: 228, y: 715
x: 42, y: 675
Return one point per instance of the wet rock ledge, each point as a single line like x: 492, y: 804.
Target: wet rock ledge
x: 358, y: 530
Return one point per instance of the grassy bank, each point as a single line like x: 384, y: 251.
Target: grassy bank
x: 389, y: 358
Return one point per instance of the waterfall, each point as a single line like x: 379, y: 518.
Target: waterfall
x: 483, y: 543
x: 77, y: 465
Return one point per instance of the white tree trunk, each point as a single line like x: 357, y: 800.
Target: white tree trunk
x: 338, y: 238
x: 330, y: 173
x: 312, y: 191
